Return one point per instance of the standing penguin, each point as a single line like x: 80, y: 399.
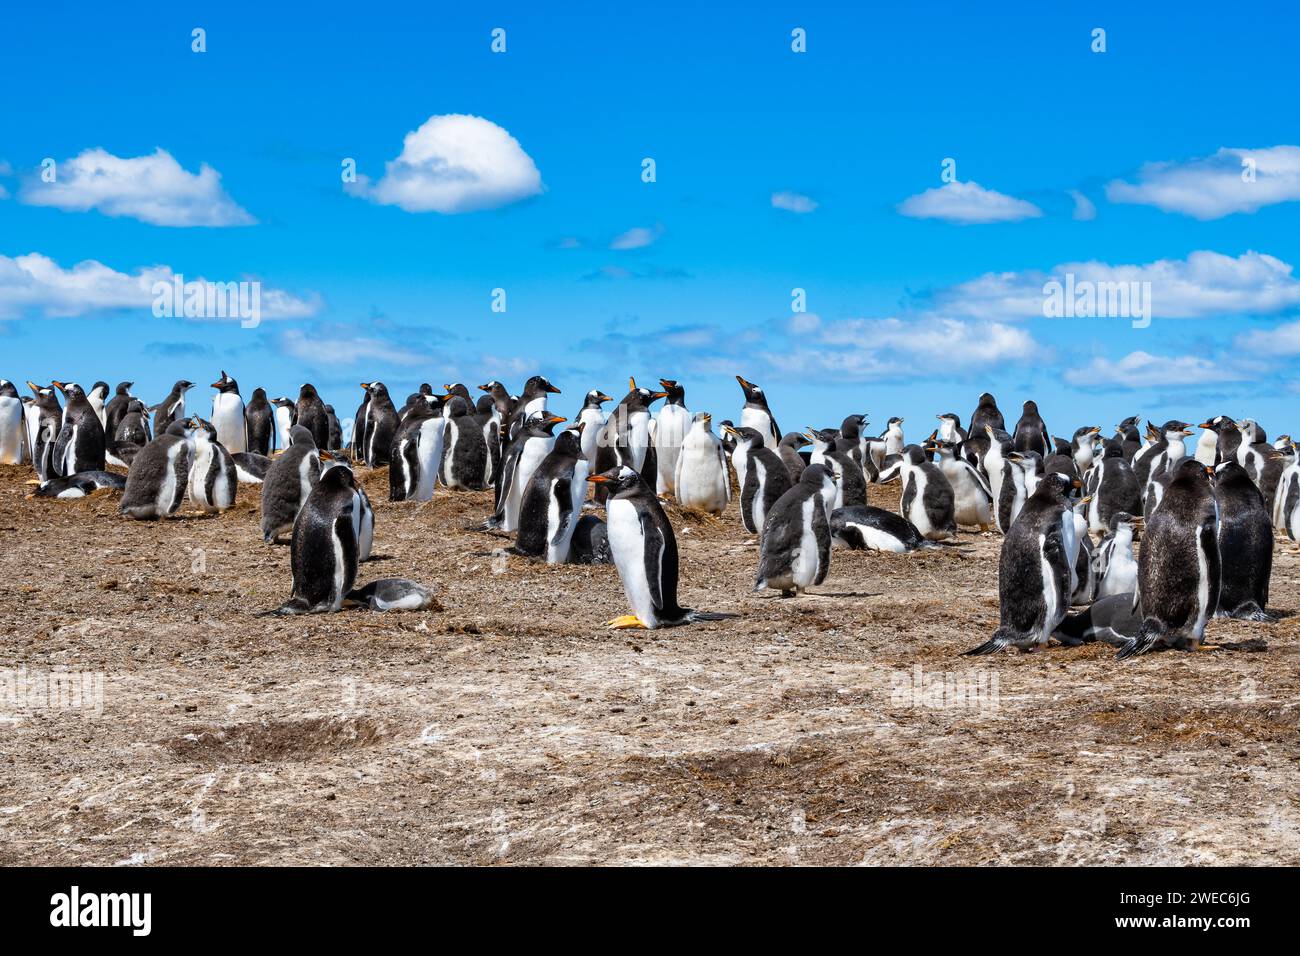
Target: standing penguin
x: 98, y: 397
x: 286, y: 414
x: 592, y: 419
x: 986, y: 413
x: 1031, y: 433
x: 671, y: 426
x: 324, y: 550
x: 11, y: 424
x: 626, y: 440
x: 850, y: 484
x: 171, y: 408
x: 288, y: 482
x: 259, y: 424
x: 80, y: 445
x: 701, y: 479
x: 380, y: 424
x: 1006, y: 480
x: 1114, y: 488
x: 312, y: 416
x: 466, y: 461
x: 795, y: 549
x: 228, y: 414
x: 336, y: 429
x: 950, y: 429
x: 213, y: 480
x: 928, y: 501
x: 132, y: 435
x: 552, y: 502
x: 417, y: 453
x: 1035, y: 574
x: 762, y: 476
x: 44, y: 420
x: 1129, y: 437
x: 788, y: 449
x: 972, y: 497
x: 1179, y: 571
x: 159, y: 475
x: 1165, y: 452
x: 757, y: 415
x: 530, y: 446
x: 1117, y: 568
x: 357, y: 440
x: 1245, y: 545
x: 893, y: 436
x: 115, y: 410
x: 1082, y: 448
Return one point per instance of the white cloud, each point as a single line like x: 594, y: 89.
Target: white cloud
x: 1212, y: 187
x: 453, y: 164
x: 967, y: 203
x: 636, y: 238
x: 1143, y: 370
x: 35, y: 284
x: 154, y: 189
x: 1282, y: 340
x: 342, y: 345
x: 793, y: 202
x: 1085, y: 210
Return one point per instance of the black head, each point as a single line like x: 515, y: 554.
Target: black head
x: 1081, y: 433
x: 338, y: 477
x: 752, y: 392
x: 1189, y: 471
x: 851, y: 427
x: 308, y: 393
x: 913, y: 454
x: 542, y: 423
x: 71, y: 390
x: 569, y: 441
x: 896, y: 420
x: 988, y: 401
x: 637, y: 397
x: 822, y: 437
x: 124, y: 388
x: 816, y: 476
x: 7, y: 388
x: 673, y: 391
x: 301, y: 435
x: 454, y: 406
x: 945, y: 449
x: 621, y: 482
x: 743, y: 435
x: 539, y: 385
x: 101, y: 389
x: 1123, y: 519
x: 259, y: 395
x: 595, y: 398
x: 460, y: 391
x: 182, y: 386
x: 1031, y: 407
x: 1056, y: 485
x: 795, y: 440
x: 226, y: 384
x: 377, y: 389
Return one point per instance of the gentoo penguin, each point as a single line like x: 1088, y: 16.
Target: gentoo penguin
x: 11, y: 424
x: 423, y: 392
x: 866, y: 528
x: 363, y: 515
x: 1245, y: 545
x: 1113, y: 486
x: 250, y: 467
x: 592, y: 419
x: 80, y: 445
x: 336, y: 429
x: 532, y: 401
x: 171, y: 408
x: 159, y: 474
x: 1129, y: 436
x: 380, y: 423
x: 286, y: 414
x: 927, y: 501
x: 1032, y: 465
x: 644, y: 549
x: 1035, y: 574
x: 950, y: 429
x: 43, y: 417
x: 850, y: 484
x: 1286, y: 499
x: 590, y: 542
x: 392, y: 594
x: 466, y: 461
x: 1084, y: 565
x: 357, y: 440
x: 972, y: 497
x: 416, y: 454
x: 757, y: 415
x: 552, y: 502
x: 213, y: 481
x: 530, y: 446
x: 324, y: 550
x: 1082, y: 447
x: 893, y: 436
x: 228, y: 414
x: 671, y: 426
x: 115, y: 411
x: 1031, y: 433
x: 1179, y: 571
x: 1165, y: 451
x: 259, y: 424
x: 501, y: 401
x: 132, y: 434
x: 288, y: 482
x: 312, y: 416
x: 1117, y: 569
x: 489, y: 421
x: 795, y: 548
x: 1006, y: 480
x: 1110, y: 619
x: 459, y: 390
x: 701, y: 480
x: 986, y: 413
x: 98, y: 396
x: 1207, y: 445
x: 762, y: 476
x: 80, y: 485
x: 625, y: 439
x: 788, y: 450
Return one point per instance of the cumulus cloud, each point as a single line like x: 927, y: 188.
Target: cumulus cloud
x: 453, y: 164
x: 154, y: 189
x: 1143, y: 370
x: 967, y: 203
x: 636, y: 238
x: 793, y: 202
x: 34, y: 284
x: 1085, y: 210
x: 1212, y: 187
x: 336, y: 344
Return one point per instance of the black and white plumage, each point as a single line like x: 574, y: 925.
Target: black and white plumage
x: 972, y: 497
x: 757, y: 415
x: 1114, y: 488
x: 626, y: 441
x: 795, y: 548
x: 592, y: 419
x: 867, y: 528
x: 762, y: 476
x: 288, y: 482
x: 159, y: 475
x: 12, y: 431
x: 311, y: 415
x: 1031, y: 432
x: 213, y: 482
x: 228, y: 415
x: 286, y: 415
x: 1245, y: 545
x: 336, y: 429
x: 590, y: 542
x: 701, y: 478
x: 115, y: 410
x: 324, y: 551
x: 80, y: 485
x: 671, y: 426
x: 1286, y: 499
x: 1117, y: 568
x: 927, y: 499
x: 80, y: 445
x: 552, y: 502
x: 171, y: 408
x: 530, y: 446
x: 466, y: 459
x: 788, y: 450
x: 250, y: 467
x: 1006, y: 480
x: 259, y: 424
x: 379, y: 425
x: 1110, y: 619
x: 416, y: 454
x: 392, y: 594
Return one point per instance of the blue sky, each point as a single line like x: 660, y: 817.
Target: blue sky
x: 912, y: 308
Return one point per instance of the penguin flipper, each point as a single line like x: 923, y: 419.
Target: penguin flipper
x: 295, y: 605
x: 1001, y: 638
x: 1146, y: 639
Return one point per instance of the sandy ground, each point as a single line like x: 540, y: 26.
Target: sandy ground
x: 507, y: 726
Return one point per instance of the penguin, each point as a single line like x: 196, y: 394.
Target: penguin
x: 11, y: 424
x: 530, y: 446
x: 532, y: 401
x: 1117, y: 568
x: 115, y: 410
x: 213, y: 482
x: 865, y: 528
x: 1032, y: 466
x: 1245, y: 545
x: 416, y: 454
x: 500, y: 401
x: 590, y: 542
x: 171, y: 408
x: 424, y: 392
x: 757, y: 415
x: 1110, y: 619
x: 250, y: 467
x: 1129, y: 436
x: 392, y: 594
x: 466, y: 462
x: 893, y: 436
x: 458, y: 390
x: 1035, y: 572
x: 1165, y: 451
x: 592, y: 418
x: 489, y: 421
x: 788, y: 450
x: 132, y: 435
x: 1207, y: 445
x: 80, y: 444
x: 324, y: 550
x: 552, y: 502
x: 1114, y: 488
x: 1084, y: 565
x: 159, y: 474
x: 986, y: 414
x: 625, y: 439
x: 357, y: 440
x: 80, y: 485
x: 381, y: 423
x: 762, y: 476
x: 972, y: 497
x: 1031, y: 433
x: 950, y: 429
x: 1006, y: 480
x: 795, y: 548
x: 1082, y: 448
x: 286, y: 415
x: 1286, y: 500
x: 701, y: 480
x: 1179, y: 571
x: 228, y: 415
x: 823, y: 441
x: 97, y: 397
x: 43, y: 419
x: 927, y: 501
x: 672, y: 424
x: 850, y: 484
x: 850, y: 440
x: 312, y: 416
x: 644, y: 549
x: 288, y: 482
x: 336, y: 429
x: 259, y: 424
x: 363, y: 514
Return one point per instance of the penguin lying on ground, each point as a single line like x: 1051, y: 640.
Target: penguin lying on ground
x: 1110, y: 619
x: 867, y: 528
x: 250, y: 468
x: 392, y: 594
x: 80, y: 485
x: 795, y: 549
x: 590, y: 542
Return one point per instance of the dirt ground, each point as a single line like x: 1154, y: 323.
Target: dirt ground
x: 509, y: 727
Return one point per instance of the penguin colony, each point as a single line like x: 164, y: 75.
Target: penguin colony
x: 1180, y: 537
